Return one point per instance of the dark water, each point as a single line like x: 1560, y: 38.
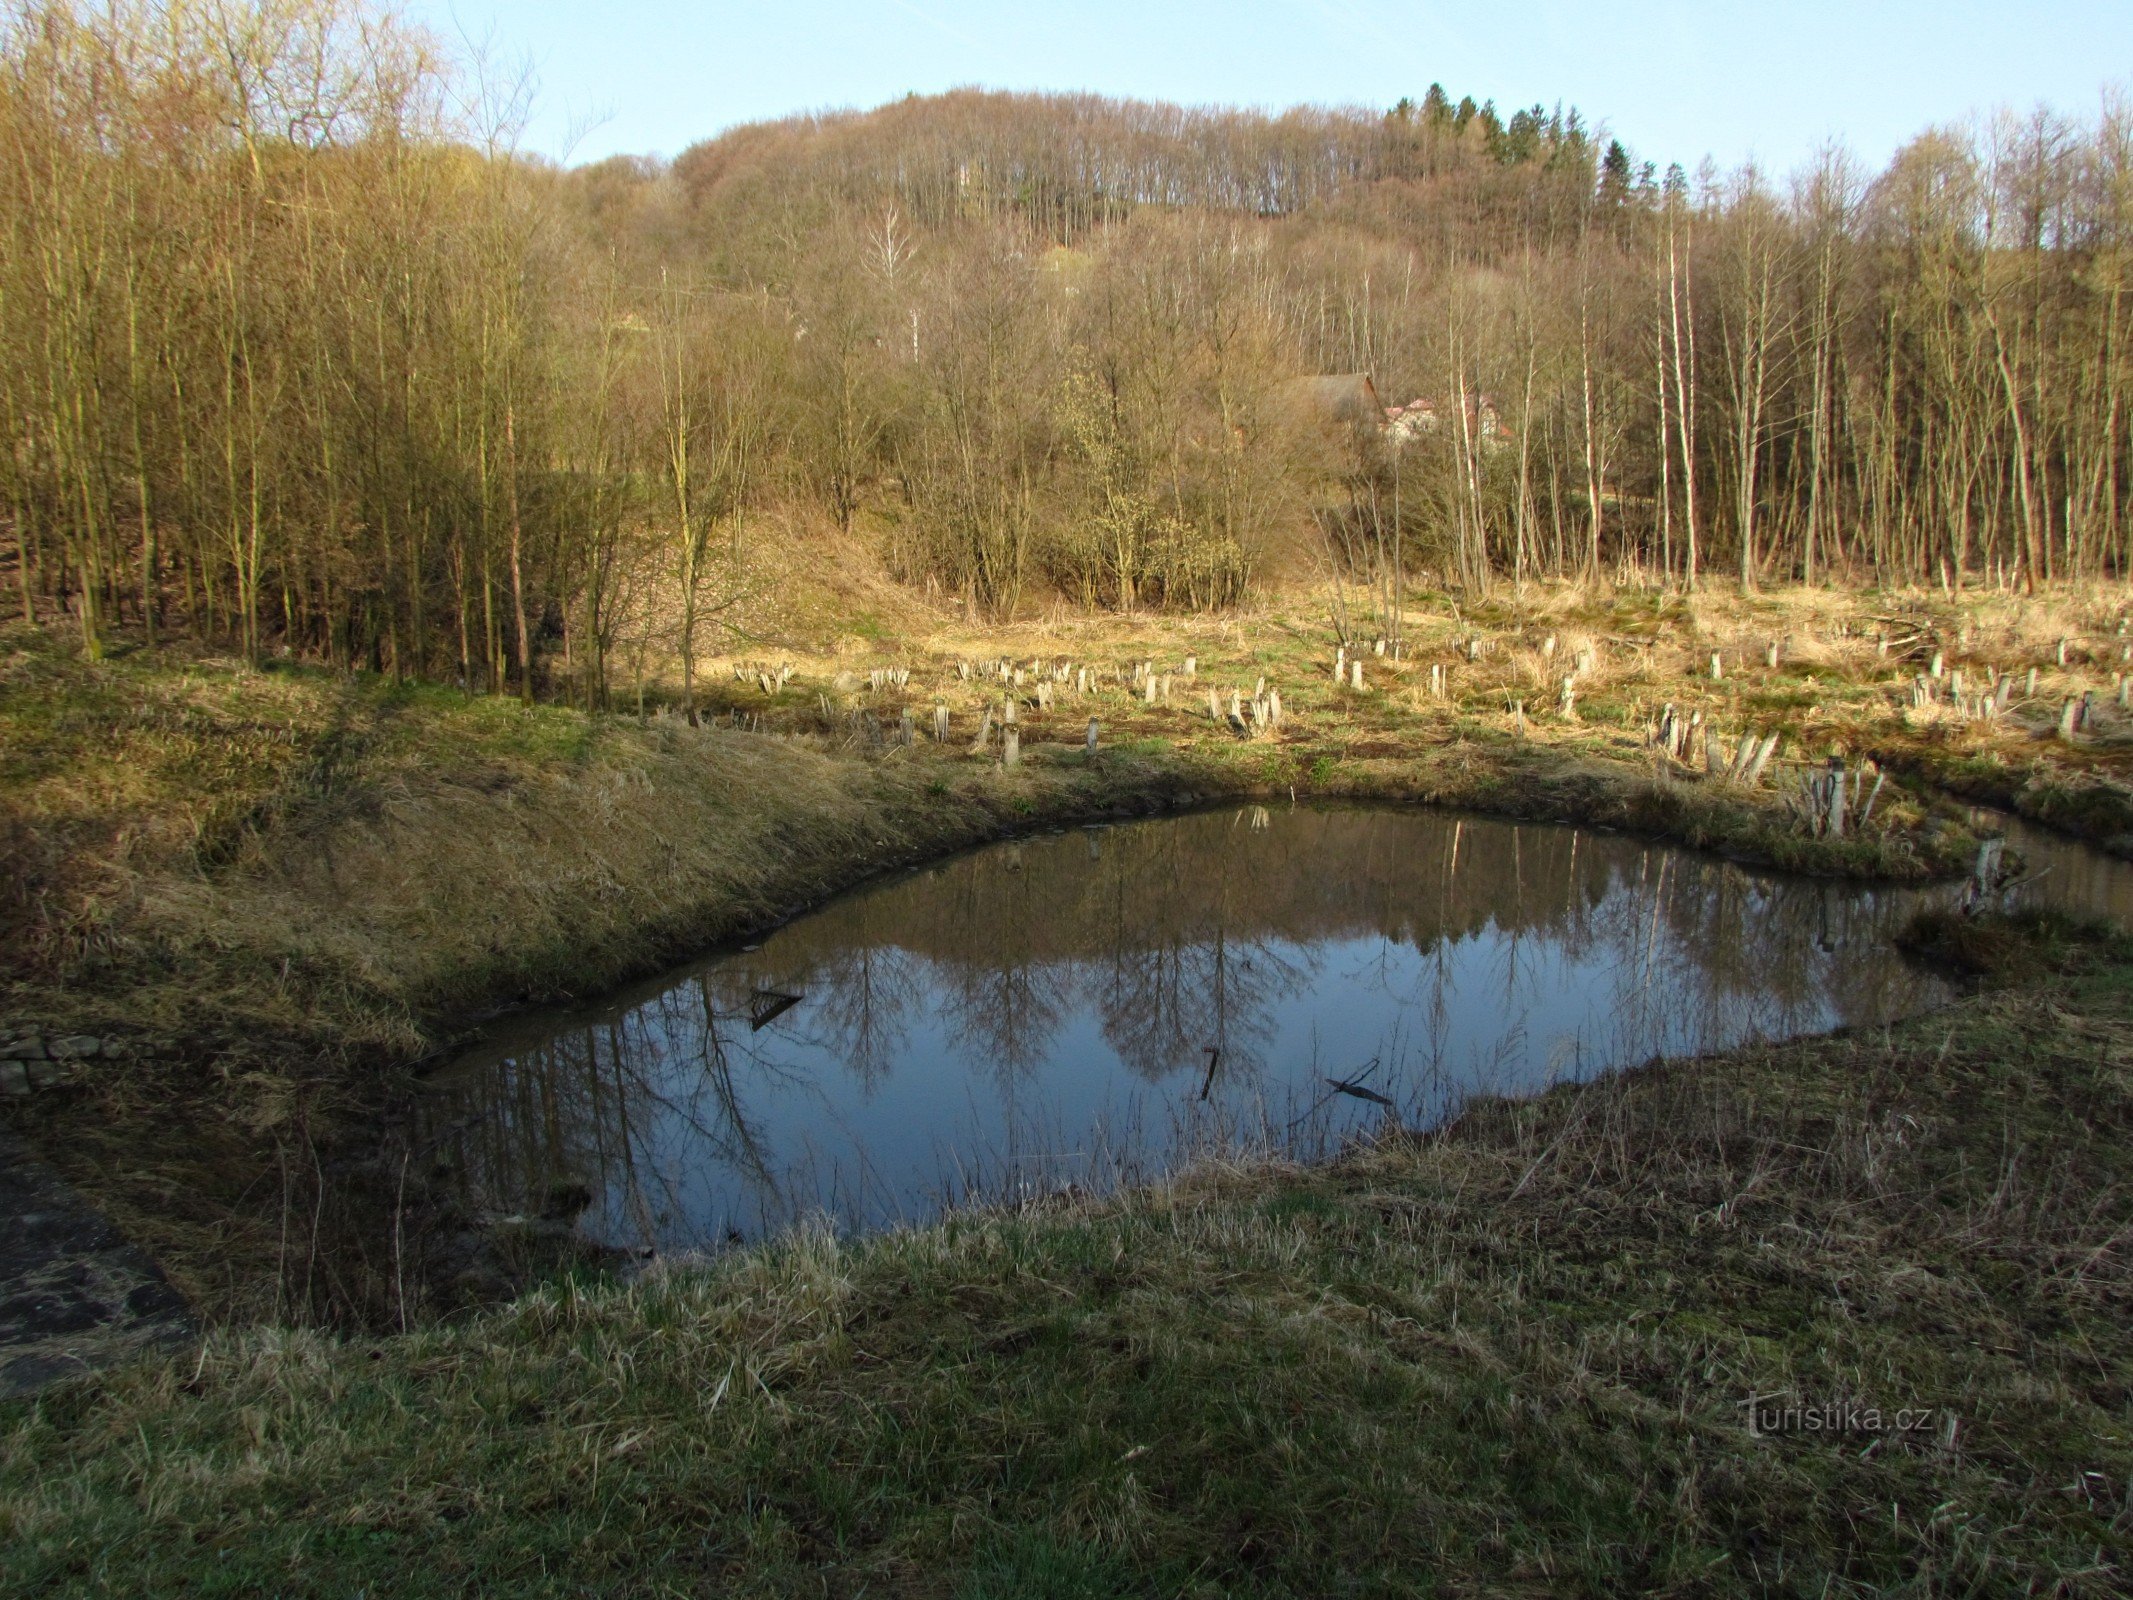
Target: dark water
x: 1043, y: 1014
x: 2063, y: 873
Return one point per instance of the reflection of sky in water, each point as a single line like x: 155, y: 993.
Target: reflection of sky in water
x: 1040, y: 1013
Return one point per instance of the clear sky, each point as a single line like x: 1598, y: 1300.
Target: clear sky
x: 1674, y: 79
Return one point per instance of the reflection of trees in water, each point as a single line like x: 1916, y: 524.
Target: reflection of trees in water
x: 1182, y: 971
x: 2060, y: 873
x: 1163, y: 1010
x: 613, y: 1101
x: 1003, y: 1014
x: 1188, y: 934
x: 1737, y: 953
x: 859, y: 1000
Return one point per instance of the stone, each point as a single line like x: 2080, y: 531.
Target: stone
x: 113, y: 1050
x: 75, y: 1048
x: 28, y: 1049
x: 14, y: 1078
x: 42, y: 1074
x: 73, y: 1294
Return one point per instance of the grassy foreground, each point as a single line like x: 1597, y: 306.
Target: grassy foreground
x: 1507, y: 1359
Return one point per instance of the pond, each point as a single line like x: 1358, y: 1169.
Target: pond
x: 1093, y: 1007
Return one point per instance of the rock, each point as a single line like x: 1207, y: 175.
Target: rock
x: 43, y: 1074
x: 28, y: 1048
x: 113, y: 1050
x: 75, y: 1048
x: 14, y: 1078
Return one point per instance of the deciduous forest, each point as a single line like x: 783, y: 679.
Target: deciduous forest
x: 301, y: 353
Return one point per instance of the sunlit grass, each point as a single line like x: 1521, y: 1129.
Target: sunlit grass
x: 1509, y: 1359
x: 298, y: 880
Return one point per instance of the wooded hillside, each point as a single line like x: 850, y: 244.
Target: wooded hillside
x: 298, y: 352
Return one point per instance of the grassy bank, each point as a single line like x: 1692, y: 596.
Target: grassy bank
x: 270, y: 889
x: 230, y: 856
x: 1510, y: 1359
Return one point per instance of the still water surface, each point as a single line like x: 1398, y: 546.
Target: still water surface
x: 2063, y: 873
x: 1093, y: 1007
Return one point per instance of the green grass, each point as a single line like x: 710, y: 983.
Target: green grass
x: 1510, y: 1359
x: 281, y: 885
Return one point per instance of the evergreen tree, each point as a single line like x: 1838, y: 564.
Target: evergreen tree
x: 1615, y: 176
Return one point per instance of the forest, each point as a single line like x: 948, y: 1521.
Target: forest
x: 302, y: 354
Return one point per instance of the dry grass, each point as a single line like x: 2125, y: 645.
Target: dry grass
x: 279, y: 882
x: 1505, y: 1360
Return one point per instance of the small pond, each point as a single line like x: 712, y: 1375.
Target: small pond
x: 1096, y: 1006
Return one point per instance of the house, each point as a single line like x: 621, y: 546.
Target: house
x: 1348, y: 399
x: 1351, y: 400
x: 1405, y: 423
x: 1411, y: 421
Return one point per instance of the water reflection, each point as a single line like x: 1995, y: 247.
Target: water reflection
x: 2062, y: 873
x: 1047, y: 1012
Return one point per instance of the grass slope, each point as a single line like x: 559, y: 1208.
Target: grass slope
x: 1509, y: 1359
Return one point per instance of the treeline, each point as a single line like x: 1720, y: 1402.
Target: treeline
x: 1065, y: 164
x: 297, y: 352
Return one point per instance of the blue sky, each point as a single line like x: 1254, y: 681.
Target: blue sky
x: 1674, y: 80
